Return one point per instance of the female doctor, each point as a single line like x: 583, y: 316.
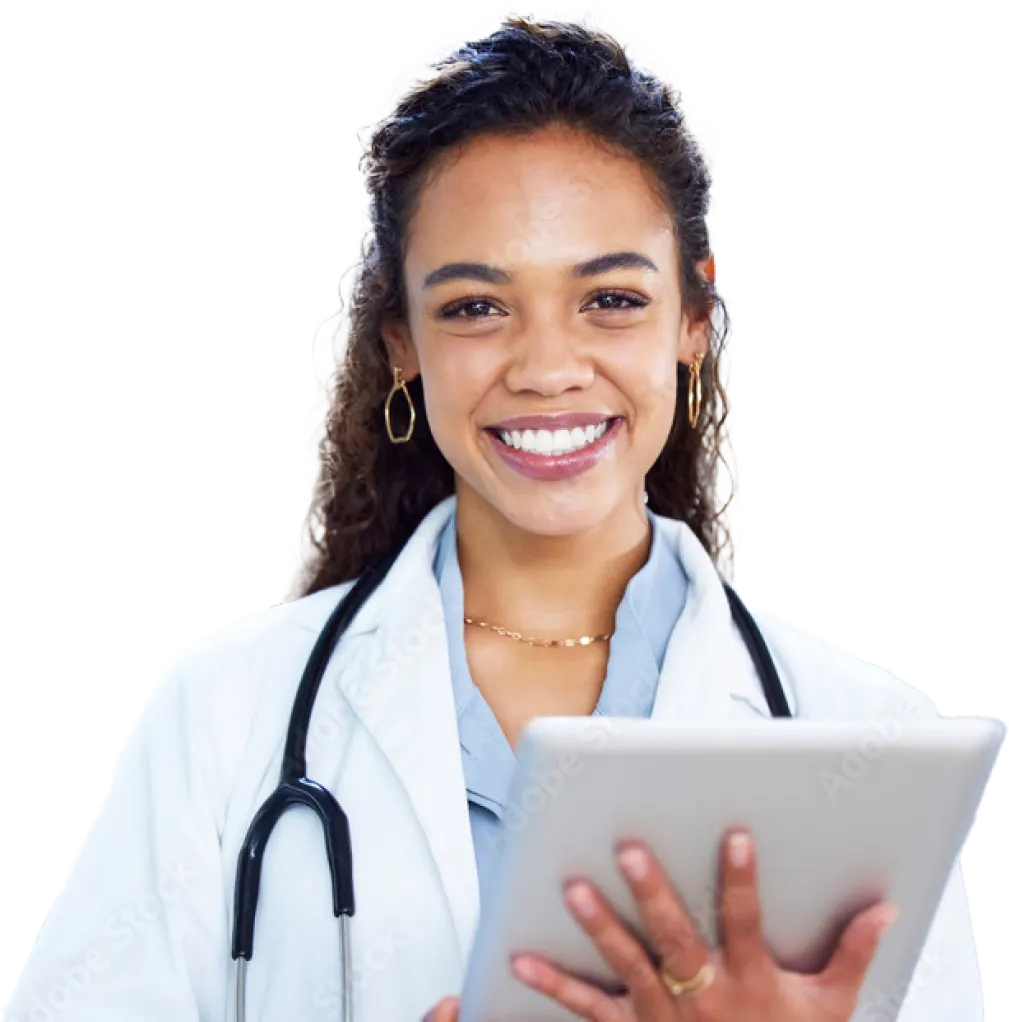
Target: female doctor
x: 530, y: 406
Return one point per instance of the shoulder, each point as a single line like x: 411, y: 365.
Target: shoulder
x: 221, y: 706
x: 253, y: 639
x: 830, y: 683
x: 254, y: 657
x: 819, y: 679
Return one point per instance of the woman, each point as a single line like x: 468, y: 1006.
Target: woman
x: 530, y: 406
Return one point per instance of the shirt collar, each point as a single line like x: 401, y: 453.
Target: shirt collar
x: 449, y: 576
x: 644, y: 610
x: 643, y: 621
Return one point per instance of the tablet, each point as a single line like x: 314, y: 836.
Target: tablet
x: 843, y: 814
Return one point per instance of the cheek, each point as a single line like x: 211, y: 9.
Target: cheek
x: 647, y: 378
x: 455, y: 383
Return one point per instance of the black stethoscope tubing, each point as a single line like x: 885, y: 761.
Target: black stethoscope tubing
x: 295, y: 788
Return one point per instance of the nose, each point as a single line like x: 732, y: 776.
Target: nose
x: 548, y: 361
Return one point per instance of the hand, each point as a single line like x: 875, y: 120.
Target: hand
x: 748, y: 986
x: 446, y: 1010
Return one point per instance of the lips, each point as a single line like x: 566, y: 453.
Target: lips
x: 553, y: 466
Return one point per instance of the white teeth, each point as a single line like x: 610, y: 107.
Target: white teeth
x: 549, y: 442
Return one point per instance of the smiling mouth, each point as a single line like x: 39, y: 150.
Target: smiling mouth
x: 549, y: 443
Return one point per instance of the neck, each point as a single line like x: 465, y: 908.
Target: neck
x: 547, y: 586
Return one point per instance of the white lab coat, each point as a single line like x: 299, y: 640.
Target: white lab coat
x: 142, y: 930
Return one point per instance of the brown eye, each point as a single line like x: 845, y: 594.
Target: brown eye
x: 633, y: 301
x: 452, y: 311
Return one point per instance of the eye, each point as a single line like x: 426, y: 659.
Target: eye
x: 452, y: 311
x: 634, y: 301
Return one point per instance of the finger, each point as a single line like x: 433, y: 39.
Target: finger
x: 446, y: 1010
x: 670, y: 929
x: 584, y: 999
x: 621, y: 950
x: 856, y: 949
x: 741, y: 925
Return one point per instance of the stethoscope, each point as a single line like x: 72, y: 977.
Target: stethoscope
x: 295, y: 788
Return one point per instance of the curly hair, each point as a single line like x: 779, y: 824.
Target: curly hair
x: 369, y: 494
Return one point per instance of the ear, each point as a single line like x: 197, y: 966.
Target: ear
x: 695, y: 333
x: 400, y: 348
x: 694, y: 338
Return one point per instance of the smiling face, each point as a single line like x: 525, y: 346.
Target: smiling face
x: 549, y: 371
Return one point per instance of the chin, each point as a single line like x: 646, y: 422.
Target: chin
x: 555, y: 514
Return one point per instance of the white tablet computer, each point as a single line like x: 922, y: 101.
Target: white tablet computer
x: 843, y: 814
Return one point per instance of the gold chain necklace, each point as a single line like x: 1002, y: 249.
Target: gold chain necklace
x: 583, y: 640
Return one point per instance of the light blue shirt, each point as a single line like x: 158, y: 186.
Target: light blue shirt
x: 651, y: 604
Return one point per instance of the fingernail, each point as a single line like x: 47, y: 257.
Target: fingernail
x: 524, y: 969
x: 740, y: 850
x: 886, y: 919
x: 633, y: 862
x: 580, y: 898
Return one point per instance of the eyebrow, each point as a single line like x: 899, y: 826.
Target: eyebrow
x: 495, y: 275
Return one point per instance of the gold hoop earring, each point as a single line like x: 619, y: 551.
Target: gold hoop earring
x: 399, y: 384
x: 694, y: 392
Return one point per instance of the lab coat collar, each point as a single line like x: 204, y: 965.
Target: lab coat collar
x: 398, y: 597
x: 399, y: 688
x: 707, y: 670
x: 706, y: 615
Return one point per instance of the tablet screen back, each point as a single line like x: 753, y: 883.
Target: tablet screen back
x: 843, y: 814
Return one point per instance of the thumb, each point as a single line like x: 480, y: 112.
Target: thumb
x: 857, y: 948
x: 446, y: 1010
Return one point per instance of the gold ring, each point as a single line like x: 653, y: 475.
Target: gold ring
x: 678, y: 987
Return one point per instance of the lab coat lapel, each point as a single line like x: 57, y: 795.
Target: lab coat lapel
x: 400, y: 689
x: 707, y: 671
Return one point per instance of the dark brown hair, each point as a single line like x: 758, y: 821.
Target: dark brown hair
x: 371, y: 494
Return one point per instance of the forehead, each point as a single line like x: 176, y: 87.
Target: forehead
x: 553, y: 197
